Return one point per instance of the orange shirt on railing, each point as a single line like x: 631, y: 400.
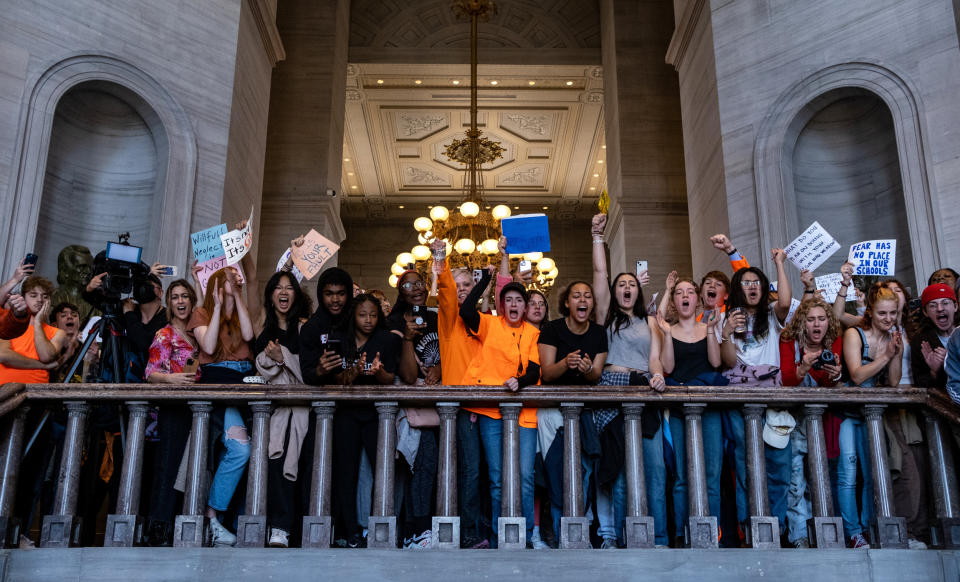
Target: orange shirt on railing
x: 25, y: 346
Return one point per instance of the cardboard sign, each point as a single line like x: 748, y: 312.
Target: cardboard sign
x: 206, y: 243
x: 283, y: 261
x: 316, y: 250
x: 526, y: 233
x: 874, y: 257
x: 831, y: 286
x: 208, y: 268
x: 237, y: 243
x: 814, y: 246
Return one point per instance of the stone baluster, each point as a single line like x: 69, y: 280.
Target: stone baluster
x: 188, y: 531
x: 943, y: 483
x: 318, y: 524
x: 763, y: 529
x: 888, y: 531
x: 446, y: 525
x: 252, y: 527
x: 11, y: 451
x: 383, y: 522
x: 62, y: 528
x: 574, y: 527
x: 511, y: 525
x: 125, y: 527
x: 703, y: 529
x: 638, y: 528
x: 824, y: 530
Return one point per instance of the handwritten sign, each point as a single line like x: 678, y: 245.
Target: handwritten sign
x: 206, y: 243
x: 830, y: 284
x: 526, y: 233
x: 313, y: 253
x: 814, y: 246
x: 874, y: 257
x: 237, y: 243
x: 283, y: 261
x: 208, y: 268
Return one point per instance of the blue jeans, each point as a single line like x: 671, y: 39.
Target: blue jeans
x: 612, y: 509
x: 231, y: 465
x: 853, y: 446
x: 799, y: 509
x: 655, y: 473
x: 491, y: 434
x: 712, y: 427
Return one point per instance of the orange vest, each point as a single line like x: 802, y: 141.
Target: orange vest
x: 457, y: 346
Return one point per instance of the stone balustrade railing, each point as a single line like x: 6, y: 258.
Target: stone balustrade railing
x: 123, y: 526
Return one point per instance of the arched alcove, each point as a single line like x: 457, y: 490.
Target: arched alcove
x: 104, y: 173
x: 846, y: 174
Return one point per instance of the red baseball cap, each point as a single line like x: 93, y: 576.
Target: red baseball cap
x: 937, y: 291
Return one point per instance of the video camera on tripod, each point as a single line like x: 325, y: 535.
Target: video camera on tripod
x: 126, y: 273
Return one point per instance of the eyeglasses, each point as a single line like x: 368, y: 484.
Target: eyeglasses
x: 409, y: 285
x: 748, y: 284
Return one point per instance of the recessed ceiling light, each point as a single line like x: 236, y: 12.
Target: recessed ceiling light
x: 353, y: 187
x: 516, y: 208
x: 456, y: 82
x: 596, y: 175
x: 351, y: 173
x: 569, y: 83
x: 346, y: 159
x: 400, y: 206
x: 487, y: 207
x: 379, y: 81
x: 599, y: 161
x: 418, y: 82
x: 546, y: 207
x: 429, y: 207
x: 531, y: 83
x: 494, y: 82
x: 592, y: 188
x: 604, y: 146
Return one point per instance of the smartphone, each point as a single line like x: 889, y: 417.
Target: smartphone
x: 191, y: 366
x: 915, y: 304
x: 30, y: 259
x: 641, y: 268
x: 168, y: 271
x: 524, y: 266
x: 477, y: 275
x: 333, y: 345
x: 417, y: 311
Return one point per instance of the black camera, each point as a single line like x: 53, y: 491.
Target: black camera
x: 126, y: 273
x: 826, y: 359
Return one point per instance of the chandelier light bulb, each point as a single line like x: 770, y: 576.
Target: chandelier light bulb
x: 489, y: 247
x: 393, y: 280
x: 533, y: 257
x: 449, y: 247
x: 422, y: 224
x: 422, y: 238
x: 546, y: 264
x: 439, y: 213
x: 396, y: 269
x: 465, y: 246
x: 469, y: 209
x: 500, y: 211
x: 553, y: 273
x: 420, y: 252
x: 404, y: 259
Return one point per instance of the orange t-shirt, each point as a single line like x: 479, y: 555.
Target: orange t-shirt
x: 505, y: 354
x: 457, y: 345
x: 25, y: 346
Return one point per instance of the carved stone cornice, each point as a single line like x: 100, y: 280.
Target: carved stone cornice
x: 683, y: 33
x: 266, y: 20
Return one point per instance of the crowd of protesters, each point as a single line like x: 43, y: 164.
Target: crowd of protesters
x: 739, y: 329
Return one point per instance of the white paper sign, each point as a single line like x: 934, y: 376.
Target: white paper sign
x: 283, y: 261
x: 830, y: 284
x: 813, y: 247
x: 874, y: 257
x: 236, y: 243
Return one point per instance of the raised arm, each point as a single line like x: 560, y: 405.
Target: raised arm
x: 48, y: 350
x: 840, y: 303
x: 713, y: 345
x: 468, y: 310
x: 722, y: 242
x: 664, y: 307
x: 243, y: 316
x: 601, y: 285
x: 22, y: 272
x: 208, y: 335
x: 666, y: 359
x: 784, y: 295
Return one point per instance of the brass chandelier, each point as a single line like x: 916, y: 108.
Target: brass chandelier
x: 473, y: 230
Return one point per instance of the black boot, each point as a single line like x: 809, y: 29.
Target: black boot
x: 159, y: 534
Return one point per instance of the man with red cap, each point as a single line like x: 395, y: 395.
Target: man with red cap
x: 929, y: 345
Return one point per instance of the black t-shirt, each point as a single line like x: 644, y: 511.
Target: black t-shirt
x: 140, y: 335
x: 313, y: 335
x: 427, y: 346
x: 557, y: 334
x: 288, y: 338
x: 381, y: 342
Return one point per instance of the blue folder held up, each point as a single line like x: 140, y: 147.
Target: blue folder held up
x: 526, y: 233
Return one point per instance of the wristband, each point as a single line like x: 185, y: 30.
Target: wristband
x: 841, y: 294
x: 809, y: 291
x: 598, y: 238
x: 733, y: 252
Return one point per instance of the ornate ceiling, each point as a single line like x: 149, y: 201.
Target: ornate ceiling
x: 399, y: 119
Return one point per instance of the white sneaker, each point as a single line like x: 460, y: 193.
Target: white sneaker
x: 915, y: 544
x: 537, y: 541
x: 419, y: 542
x: 219, y: 535
x: 25, y: 543
x: 279, y: 538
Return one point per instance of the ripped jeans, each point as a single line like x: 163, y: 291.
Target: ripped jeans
x: 232, y: 462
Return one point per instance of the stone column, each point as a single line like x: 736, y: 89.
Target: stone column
x: 574, y: 528
x: 943, y: 480
x: 511, y: 525
x: 11, y: 453
x: 446, y: 524
x: 383, y: 522
x: 125, y: 527
x: 188, y: 530
x: 888, y: 531
x: 823, y: 529
x: 61, y: 530
x: 763, y: 529
x: 703, y: 530
x: 639, y: 527
x: 252, y: 527
x: 318, y: 523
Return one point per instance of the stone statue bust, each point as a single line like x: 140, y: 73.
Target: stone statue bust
x: 74, y: 269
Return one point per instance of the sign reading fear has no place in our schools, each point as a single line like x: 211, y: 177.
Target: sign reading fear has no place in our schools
x: 874, y: 257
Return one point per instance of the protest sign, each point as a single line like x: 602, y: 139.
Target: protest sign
x: 813, y: 247
x: 830, y: 284
x: 526, y: 233
x: 313, y: 253
x: 206, y: 243
x: 236, y: 243
x: 874, y: 257
x: 206, y: 269
x: 283, y: 261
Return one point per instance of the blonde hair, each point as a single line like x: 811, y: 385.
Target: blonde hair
x: 797, y: 329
